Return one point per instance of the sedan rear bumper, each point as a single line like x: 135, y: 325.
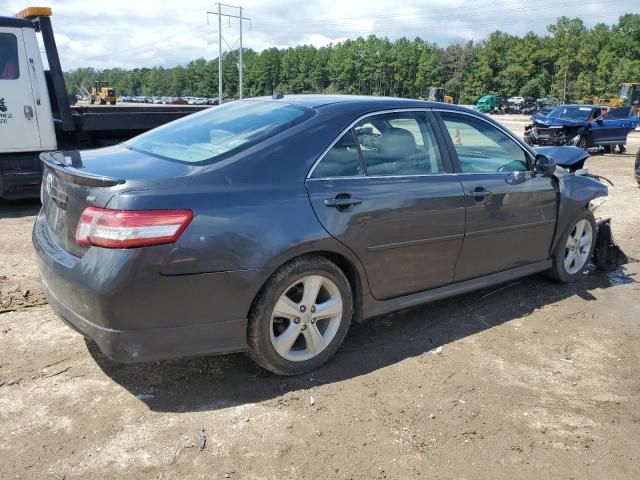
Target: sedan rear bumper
x: 119, y: 299
x: 149, y: 344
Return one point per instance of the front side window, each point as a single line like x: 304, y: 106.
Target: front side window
x: 481, y: 147
x: 219, y: 132
x: 9, y: 67
x: 398, y: 144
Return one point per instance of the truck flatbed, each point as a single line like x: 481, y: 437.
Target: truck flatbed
x: 94, y: 119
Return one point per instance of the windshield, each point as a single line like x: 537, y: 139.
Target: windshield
x: 219, y: 132
x: 572, y: 113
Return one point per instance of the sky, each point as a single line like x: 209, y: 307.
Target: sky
x: 146, y: 33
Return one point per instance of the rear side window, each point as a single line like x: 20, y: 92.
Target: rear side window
x: 398, y: 144
x: 219, y: 132
x: 342, y: 160
x: 9, y: 67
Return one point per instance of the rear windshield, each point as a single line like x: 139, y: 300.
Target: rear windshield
x: 219, y: 132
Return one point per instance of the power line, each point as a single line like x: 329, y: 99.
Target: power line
x: 220, y: 39
x: 395, y: 28
x: 432, y: 13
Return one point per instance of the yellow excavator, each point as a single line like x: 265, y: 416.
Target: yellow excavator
x: 628, y: 96
x: 102, y: 93
x: 436, y: 94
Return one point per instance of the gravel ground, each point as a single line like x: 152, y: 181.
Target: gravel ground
x: 532, y: 379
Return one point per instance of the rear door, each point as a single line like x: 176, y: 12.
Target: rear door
x: 18, y: 121
x: 387, y: 192
x: 511, y: 212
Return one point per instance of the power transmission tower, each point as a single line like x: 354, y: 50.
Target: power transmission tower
x: 221, y: 39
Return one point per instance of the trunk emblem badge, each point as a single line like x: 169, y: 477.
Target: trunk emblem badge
x: 91, y: 198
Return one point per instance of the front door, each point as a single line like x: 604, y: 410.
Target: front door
x: 511, y: 212
x: 615, y: 126
x: 385, y: 191
x: 18, y: 122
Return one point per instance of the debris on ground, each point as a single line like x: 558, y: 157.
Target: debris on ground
x: 181, y: 444
x: 202, y: 441
x: 145, y: 396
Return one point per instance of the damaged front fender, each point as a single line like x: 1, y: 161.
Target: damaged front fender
x: 576, y: 192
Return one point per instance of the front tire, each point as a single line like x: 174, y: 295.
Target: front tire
x: 301, y: 317
x: 575, y: 248
x: 582, y: 142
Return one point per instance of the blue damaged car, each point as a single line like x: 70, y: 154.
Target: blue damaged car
x: 584, y: 126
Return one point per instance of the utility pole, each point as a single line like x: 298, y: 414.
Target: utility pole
x: 564, y: 89
x: 221, y: 39
x: 240, y: 67
x: 219, y: 54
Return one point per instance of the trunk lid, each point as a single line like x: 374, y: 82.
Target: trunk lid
x: 75, y: 180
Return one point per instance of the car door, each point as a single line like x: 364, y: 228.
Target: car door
x: 511, y: 212
x: 386, y: 189
x: 619, y: 123
x: 602, y: 131
x: 18, y: 122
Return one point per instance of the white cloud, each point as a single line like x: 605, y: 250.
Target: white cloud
x: 143, y: 33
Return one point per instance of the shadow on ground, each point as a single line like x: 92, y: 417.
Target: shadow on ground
x: 210, y: 383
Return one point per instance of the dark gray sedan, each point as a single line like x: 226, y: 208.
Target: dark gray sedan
x: 268, y: 225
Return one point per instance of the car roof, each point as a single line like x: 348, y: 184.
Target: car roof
x: 317, y: 102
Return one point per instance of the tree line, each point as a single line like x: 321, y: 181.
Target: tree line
x: 570, y: 60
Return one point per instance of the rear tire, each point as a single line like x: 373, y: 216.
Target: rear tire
x: 301, y: 316
x: 113, y: 102
x: 575, y: 248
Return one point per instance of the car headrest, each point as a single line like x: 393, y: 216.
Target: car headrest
x: 397, y: 141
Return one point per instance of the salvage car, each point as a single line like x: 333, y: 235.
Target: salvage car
x: 584, y: 126
x: 268, y: 225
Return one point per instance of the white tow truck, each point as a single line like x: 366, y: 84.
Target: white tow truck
x: 35, y: 114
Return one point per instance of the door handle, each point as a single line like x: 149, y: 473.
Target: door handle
x: 478, y: 193
x: 342, y: 202
x: 28, y: 112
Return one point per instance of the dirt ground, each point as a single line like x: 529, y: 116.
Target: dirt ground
x: 532, y: 379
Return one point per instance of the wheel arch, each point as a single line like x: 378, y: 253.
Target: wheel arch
x: 350, y: 266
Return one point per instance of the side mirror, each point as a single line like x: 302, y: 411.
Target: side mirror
x: 544, y: 165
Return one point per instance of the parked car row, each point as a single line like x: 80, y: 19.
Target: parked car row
x: 169, y: 100
x: 524, y: 105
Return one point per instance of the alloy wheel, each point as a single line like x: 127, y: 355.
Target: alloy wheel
x: 578, y: 247
x: 306, y: 318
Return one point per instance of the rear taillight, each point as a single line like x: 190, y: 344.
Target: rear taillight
x: 108, y: 228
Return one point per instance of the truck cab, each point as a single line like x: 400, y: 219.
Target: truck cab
x: 35, y: 115
x: 26, y: 120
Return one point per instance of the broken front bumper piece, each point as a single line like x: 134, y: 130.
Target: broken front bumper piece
x: 607, y: 255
